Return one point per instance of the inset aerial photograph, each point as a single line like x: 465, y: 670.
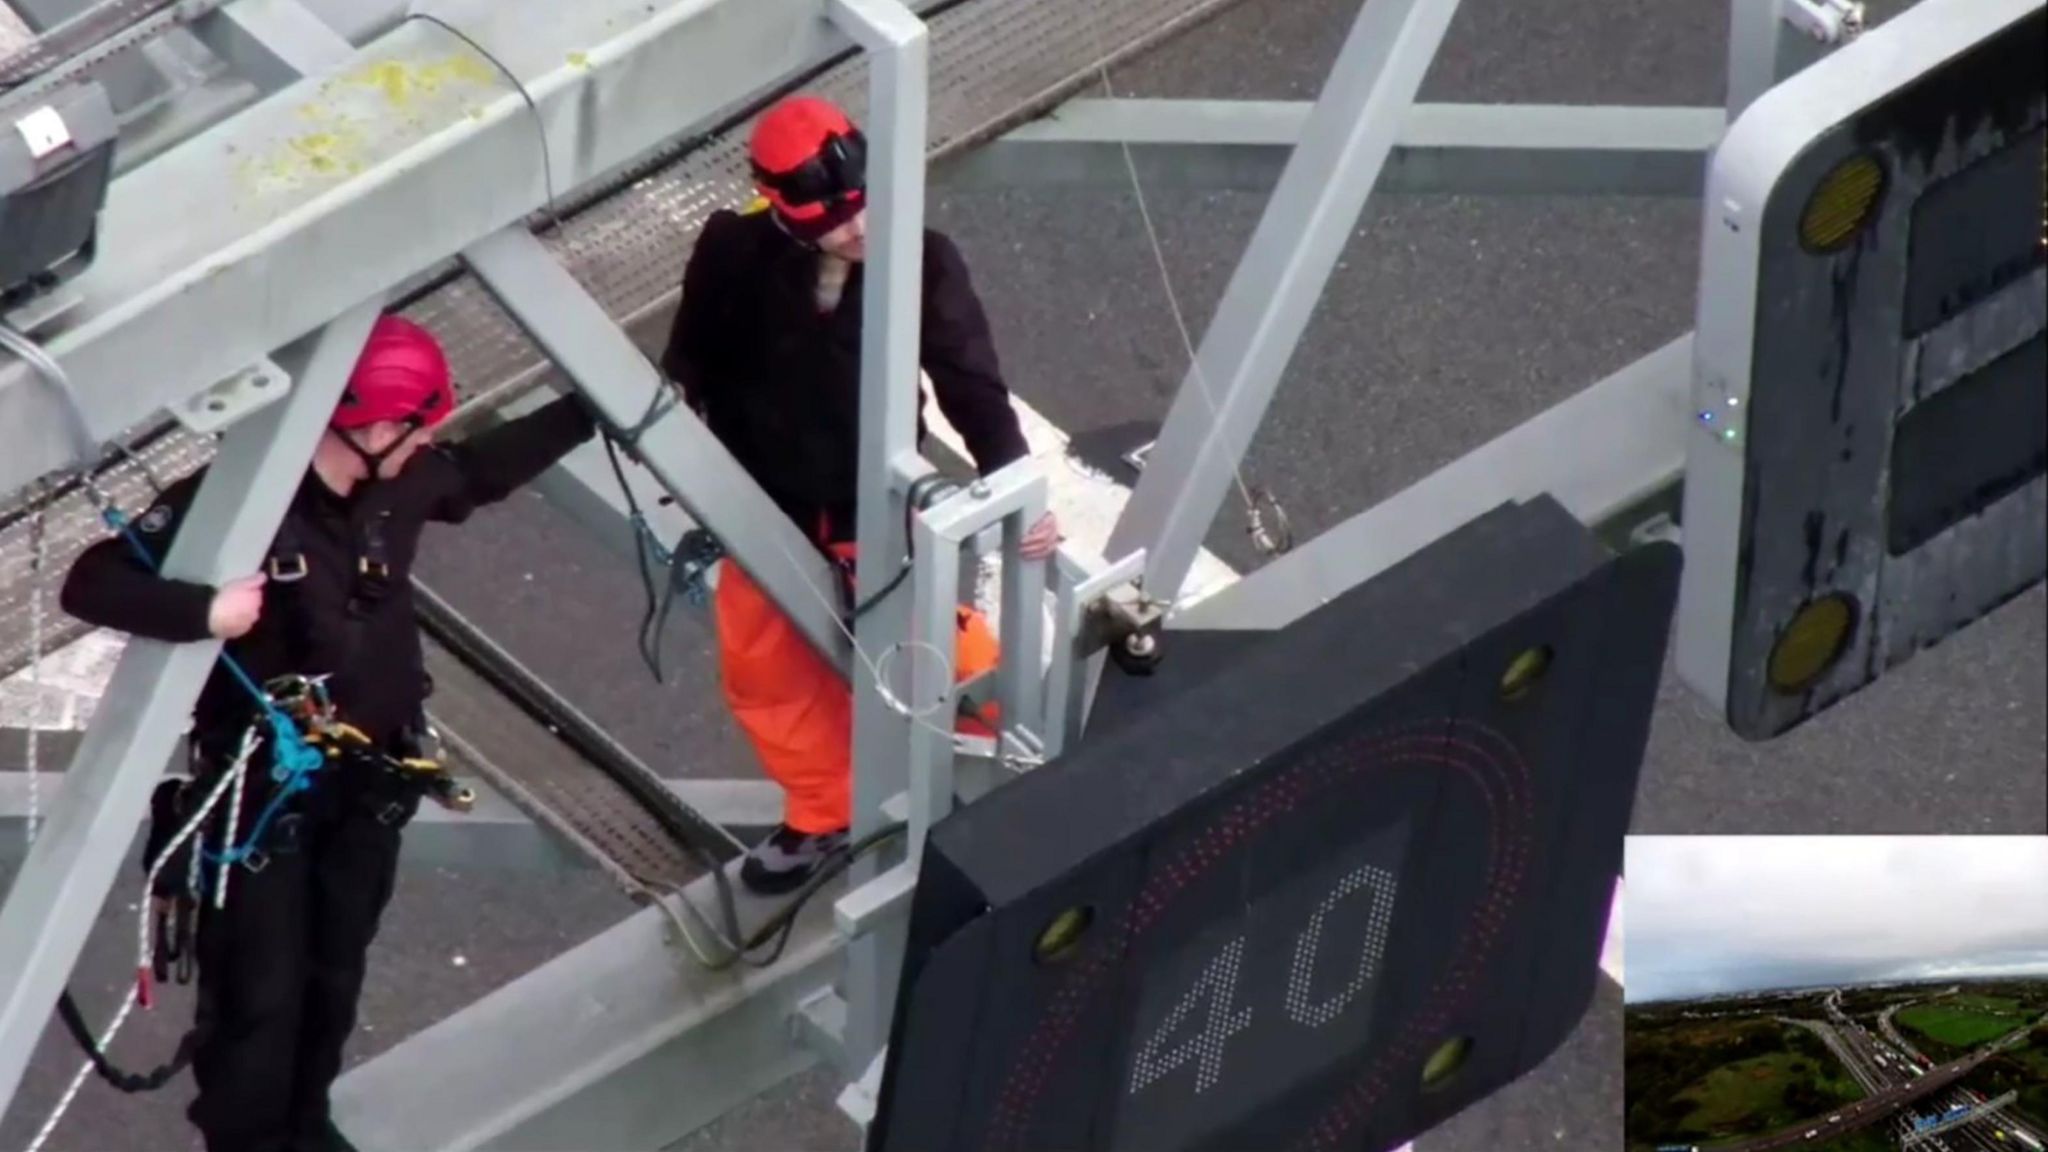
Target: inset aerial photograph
x: 1838, y: 993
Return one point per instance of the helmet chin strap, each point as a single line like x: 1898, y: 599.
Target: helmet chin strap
x: 373, y: 462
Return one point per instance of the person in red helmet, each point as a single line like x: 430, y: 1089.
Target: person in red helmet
x: 282, y: 964
x: 766, y: 348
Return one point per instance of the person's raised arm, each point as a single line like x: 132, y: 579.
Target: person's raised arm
x: 491, y: 465
x: 110, y: 585
x: 959, y: 354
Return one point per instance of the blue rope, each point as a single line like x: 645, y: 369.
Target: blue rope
x: 293, y: 760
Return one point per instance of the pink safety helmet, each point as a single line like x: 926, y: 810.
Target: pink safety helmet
x: 402, y: 375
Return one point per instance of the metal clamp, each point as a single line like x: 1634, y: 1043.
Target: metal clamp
x: 1828, y: 21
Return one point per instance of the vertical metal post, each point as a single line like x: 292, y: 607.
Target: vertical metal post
x: 936, y: 590
x: 1313, y: 211
x: 1763, y: 51
x: 897, y: 85
x: 149, y: 699
x: 1021, y: 676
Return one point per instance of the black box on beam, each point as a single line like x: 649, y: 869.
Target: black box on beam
x: 1321, y: 899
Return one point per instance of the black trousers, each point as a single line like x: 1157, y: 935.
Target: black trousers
x: 281, y: 966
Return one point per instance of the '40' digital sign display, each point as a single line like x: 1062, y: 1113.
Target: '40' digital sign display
x: 1311, y: 891
x: 1271, y: 999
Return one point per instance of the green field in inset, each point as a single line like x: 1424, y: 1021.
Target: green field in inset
x: 1964, y: 1021
x: 1748, y: 1096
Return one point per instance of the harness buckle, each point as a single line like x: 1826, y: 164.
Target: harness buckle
x: 374, y: 569
x: 287, y: 569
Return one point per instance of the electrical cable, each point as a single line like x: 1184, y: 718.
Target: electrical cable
x: 547, y: 166
x: 778, y: 927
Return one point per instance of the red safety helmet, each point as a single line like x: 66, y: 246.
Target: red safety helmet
x: 401, y: 375
x: 810, y: 161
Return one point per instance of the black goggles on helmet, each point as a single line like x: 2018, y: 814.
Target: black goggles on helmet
x: 839, y: 170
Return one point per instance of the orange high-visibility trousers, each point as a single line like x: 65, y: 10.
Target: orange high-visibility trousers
x: 796, y: 708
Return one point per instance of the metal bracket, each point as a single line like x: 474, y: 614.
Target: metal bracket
x: 1828, y: 21
x: 820, y: 1026
x: 38, y: 311
x: 1122, y: 611
x: 1660, y: 528
x: 858, y: 912
x: 258, y: 386
x: 1136, y: 457
x: 858, y: 1099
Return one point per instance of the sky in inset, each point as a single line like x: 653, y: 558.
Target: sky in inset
x: 1709, y: 915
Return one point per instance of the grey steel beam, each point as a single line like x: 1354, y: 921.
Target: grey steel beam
x: 272, y: 43
x: 150, y: 696
x: 1453, y: 149
x: 358, y: 21
x: 494, y: 835
x: 898, y: 48
x: 1267, y: 305
x: 321, y: 169
x: 132, y: 79
x: 1627, y: 437
x: 622, y: 1043
x: 580, y: 337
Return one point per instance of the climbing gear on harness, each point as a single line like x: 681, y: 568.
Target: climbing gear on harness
x: 420, y: 766
x: 145, y: 968
x: 373, y: 567
x: 689, y: 564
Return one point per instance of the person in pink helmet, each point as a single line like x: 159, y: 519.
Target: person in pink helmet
x: 281, y: 965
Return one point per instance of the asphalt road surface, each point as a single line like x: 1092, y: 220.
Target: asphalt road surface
x: 1447, y: 322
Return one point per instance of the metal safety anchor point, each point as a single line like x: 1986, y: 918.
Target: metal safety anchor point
x: 1828, y: 21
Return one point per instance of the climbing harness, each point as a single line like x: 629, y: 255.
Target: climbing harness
x: 167, y: 932
x: 296, y: 754
x: 146, y: 965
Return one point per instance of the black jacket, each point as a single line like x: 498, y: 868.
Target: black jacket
x: 779, y: 383
x: 334, y: 619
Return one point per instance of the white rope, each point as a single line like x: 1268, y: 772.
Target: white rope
x: 144, y: 953
x: 1180, y: 322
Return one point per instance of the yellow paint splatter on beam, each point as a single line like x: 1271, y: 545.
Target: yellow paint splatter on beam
x: 401, y: 81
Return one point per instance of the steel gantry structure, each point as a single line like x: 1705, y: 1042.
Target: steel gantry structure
x: 457, y: 150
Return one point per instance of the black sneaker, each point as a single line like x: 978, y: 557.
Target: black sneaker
x: 782, y: 862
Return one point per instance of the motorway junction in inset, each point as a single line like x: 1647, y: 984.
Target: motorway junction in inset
x: 1954, y: 1066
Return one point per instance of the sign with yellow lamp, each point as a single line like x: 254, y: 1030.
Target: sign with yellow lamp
x: 1868, y: 467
